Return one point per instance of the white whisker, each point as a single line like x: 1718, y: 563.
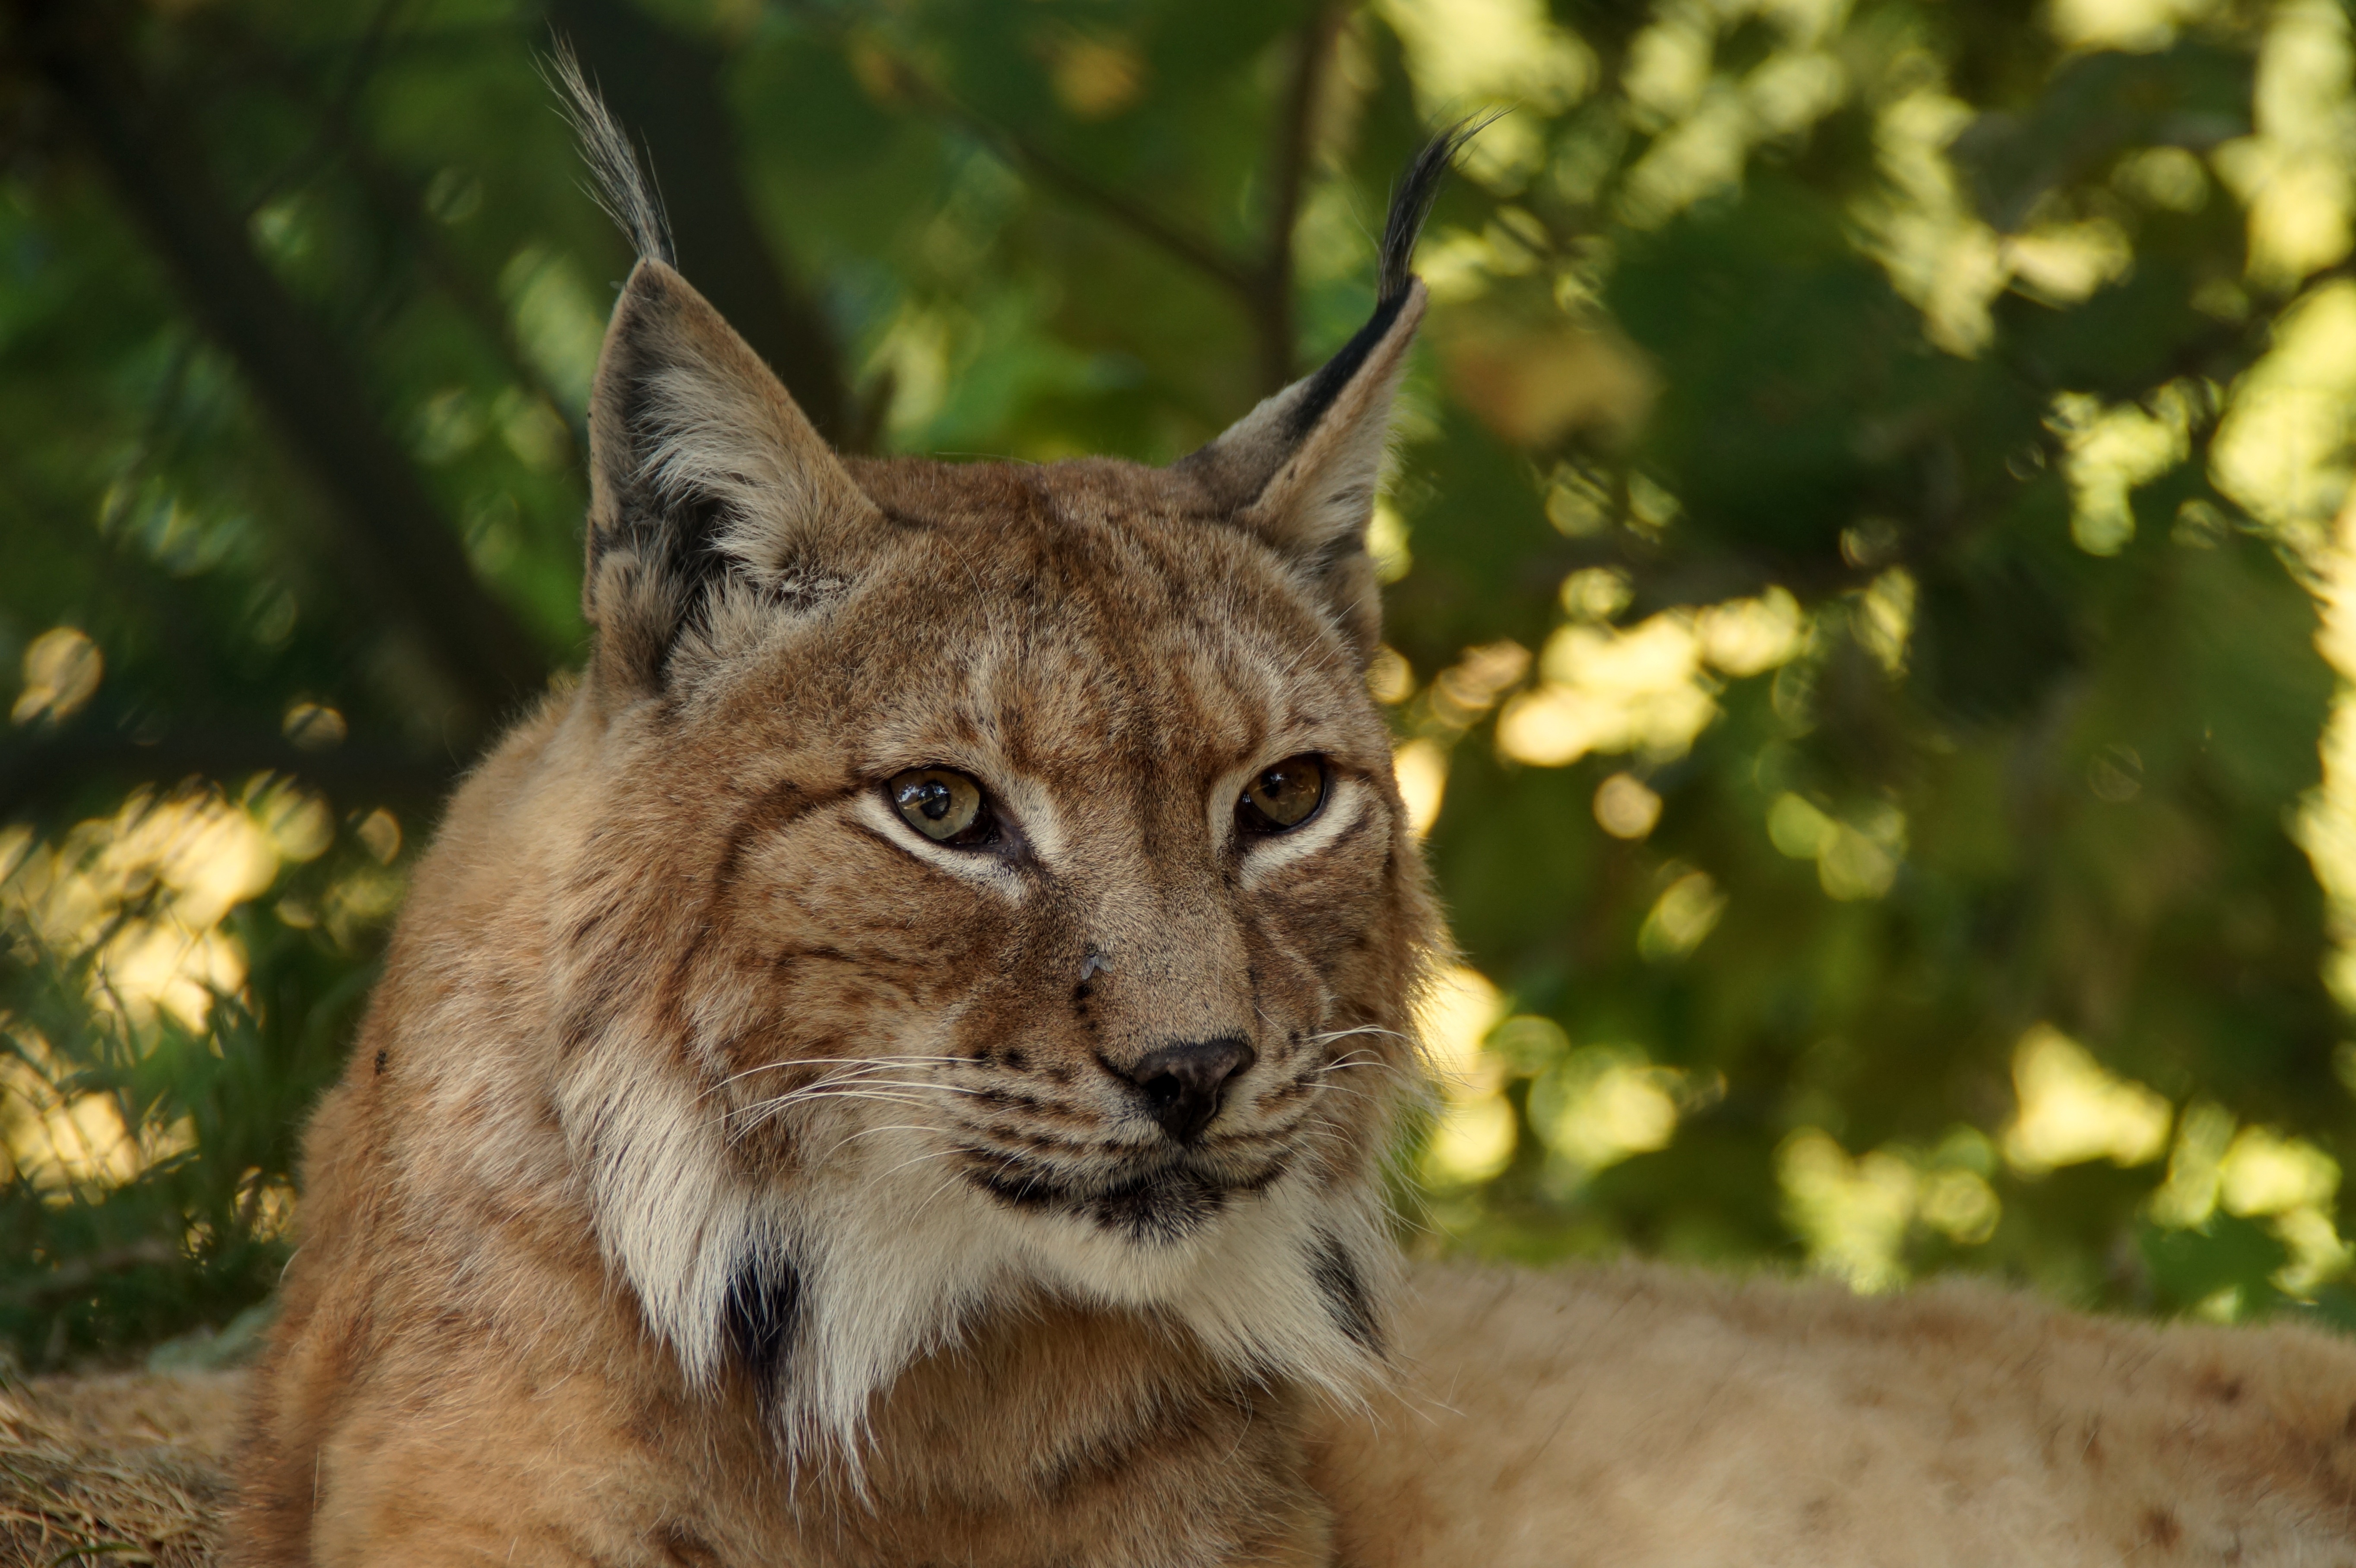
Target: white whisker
x: 1332, y: 1035
x: 753, y: 1116
x: 877, y: 1063
x: 836, y: 1147
x: 852, y: 1088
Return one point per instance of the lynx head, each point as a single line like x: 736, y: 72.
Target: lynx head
x: 995, y: 890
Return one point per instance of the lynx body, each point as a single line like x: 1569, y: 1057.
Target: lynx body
x: 891, y: 1068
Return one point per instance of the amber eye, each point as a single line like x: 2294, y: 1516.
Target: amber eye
x: 1283, y: 796
x: 944, y: 805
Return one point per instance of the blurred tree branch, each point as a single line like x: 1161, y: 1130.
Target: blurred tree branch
x: 46, y: 772
x: 396, y: 552
x: 665, y: 87
x: 1272, y: 291
x: 335, y: 102
x: 1263, y: 287
x: 1028, y: 155
x: 74, y: 1275
x: 397, y: 199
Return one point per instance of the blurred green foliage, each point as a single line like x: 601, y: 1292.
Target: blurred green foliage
x: 1869, y: 608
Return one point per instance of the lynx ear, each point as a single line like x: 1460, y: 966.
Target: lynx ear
x: 711, y: 495
x: 712, y: 498
x: 1301, y: 470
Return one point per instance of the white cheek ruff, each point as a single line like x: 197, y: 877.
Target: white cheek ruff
x: 979, y: 867
x: 890, y: 1250
x: 672, y: 1218
x: 894, y: 1260
x: 1246, y: 1283
x: 893, y: 1253
x: 1348, y: 802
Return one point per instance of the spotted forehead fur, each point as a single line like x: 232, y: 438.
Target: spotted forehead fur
x: 1106, y: 605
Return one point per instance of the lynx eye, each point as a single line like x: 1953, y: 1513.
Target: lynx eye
x: 1284, y: 797
x: 944, y: 805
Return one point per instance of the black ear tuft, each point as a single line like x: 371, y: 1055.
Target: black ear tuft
x: 1301, y: 470
x: 1411, y: 201
x: 710, y: 494
x: 626, y: 187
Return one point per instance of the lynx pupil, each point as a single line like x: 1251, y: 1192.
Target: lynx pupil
x: 1283, y: 796
x: 941, y: 803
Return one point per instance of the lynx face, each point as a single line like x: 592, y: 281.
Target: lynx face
x: 1006, y: 897
x: 1029, y: 895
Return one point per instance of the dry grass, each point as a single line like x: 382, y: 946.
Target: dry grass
x: 113, y: 1469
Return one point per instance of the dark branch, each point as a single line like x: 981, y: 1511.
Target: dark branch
x: 1272, y: 318
x: 666, y: 88
x: 1263, y: 287
x: 1135, y: 216
x: 1026, y: 155
x: 73, y: 1275
x: 41, y: 772
x: 395, y: 551
x: 398, y: 202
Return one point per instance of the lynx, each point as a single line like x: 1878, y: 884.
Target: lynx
x: 892, y: 1066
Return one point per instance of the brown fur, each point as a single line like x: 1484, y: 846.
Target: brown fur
x: 674, y: 897
x: 727, y: 1173
x: 1630, y: 1416
x: 1652, y: 1418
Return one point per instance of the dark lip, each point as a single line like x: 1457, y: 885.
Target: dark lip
x: 1167, y: 1203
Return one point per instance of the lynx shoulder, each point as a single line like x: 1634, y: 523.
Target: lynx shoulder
x: 892, y: 1067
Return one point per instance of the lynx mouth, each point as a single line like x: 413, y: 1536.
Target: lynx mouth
x: 1167, y: 1204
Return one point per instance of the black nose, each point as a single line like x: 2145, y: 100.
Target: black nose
x: 1184, y: 1084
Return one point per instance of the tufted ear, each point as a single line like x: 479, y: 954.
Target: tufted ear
x: 1301, y: 470
x: 711, y: 497
x: 712, y: 501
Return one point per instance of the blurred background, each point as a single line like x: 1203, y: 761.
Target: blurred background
x: 1873, y: 587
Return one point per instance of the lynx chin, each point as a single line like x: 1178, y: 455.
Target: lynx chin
x: 892, y: 1067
